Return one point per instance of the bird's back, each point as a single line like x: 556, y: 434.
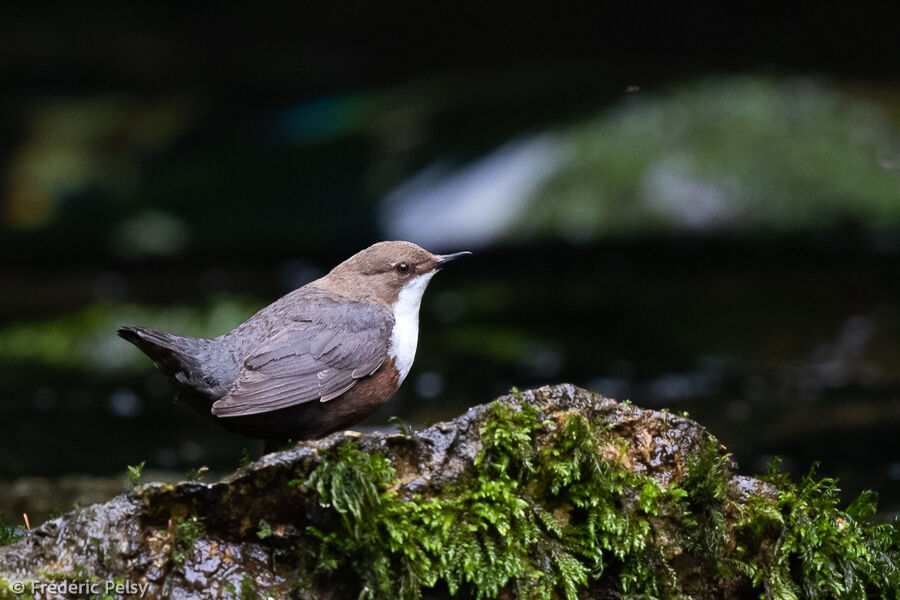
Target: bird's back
x: 210, y: 367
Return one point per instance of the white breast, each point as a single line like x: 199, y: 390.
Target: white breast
x: 405, y: 335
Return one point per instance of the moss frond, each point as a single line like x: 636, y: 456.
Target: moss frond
x: 10, y: 534
x: 821, y: 551
x: 542, y: 518
x: 184, y: 534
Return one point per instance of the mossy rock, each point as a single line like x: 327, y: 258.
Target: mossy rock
x: 552, y: 493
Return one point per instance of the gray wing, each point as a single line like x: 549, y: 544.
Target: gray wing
x: 310, y: 360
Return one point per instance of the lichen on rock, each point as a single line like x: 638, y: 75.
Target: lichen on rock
x: 552, y: 493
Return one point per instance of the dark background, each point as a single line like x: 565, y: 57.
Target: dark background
x: 179, y: 169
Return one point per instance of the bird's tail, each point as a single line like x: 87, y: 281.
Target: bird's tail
x: 175, y: 355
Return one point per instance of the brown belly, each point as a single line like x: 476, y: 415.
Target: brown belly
x: 316, y: 419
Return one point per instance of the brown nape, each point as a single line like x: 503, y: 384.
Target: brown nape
x: 372, y: 274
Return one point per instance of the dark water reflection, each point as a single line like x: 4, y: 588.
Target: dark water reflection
x: 778, y: 351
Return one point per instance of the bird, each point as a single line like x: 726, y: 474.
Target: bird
x: 315, y: 361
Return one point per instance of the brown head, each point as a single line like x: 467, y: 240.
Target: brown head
x: 382, y: 270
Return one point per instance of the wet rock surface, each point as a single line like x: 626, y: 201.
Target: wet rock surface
x: 224, y: 539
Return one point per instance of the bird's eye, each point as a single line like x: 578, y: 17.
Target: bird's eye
x: 402, y: 268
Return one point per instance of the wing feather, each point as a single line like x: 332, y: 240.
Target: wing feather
x: 337, y: 393
x: 308, y: 360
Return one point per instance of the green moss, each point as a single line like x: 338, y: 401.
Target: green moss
x: 401, y: 427
x: 196, y: 473
x: 820, y: 551
x: 542, y: 520
x: 9, y: 590
x: 54, y: 575
x: 134, y: 473
x: 79, y: 573
x: 798, y: 544
x: 248, y: 591
x: 245, y: 458
x: 184, y: 535
x: 706, y: 529
x: 550, y: 508
x: 10, y: 534
x: 368, y: 530
x: 264, y: 530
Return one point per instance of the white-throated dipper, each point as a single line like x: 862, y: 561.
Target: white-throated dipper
x: 317, y: 360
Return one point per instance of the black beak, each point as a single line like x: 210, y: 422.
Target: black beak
x: 443, y: 259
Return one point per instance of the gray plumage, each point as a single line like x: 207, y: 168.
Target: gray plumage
x: 319, y: 356
x: 308, y: 345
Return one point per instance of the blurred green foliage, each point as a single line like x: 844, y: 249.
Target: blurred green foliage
x: 85, y: 340
x: 744, y: 153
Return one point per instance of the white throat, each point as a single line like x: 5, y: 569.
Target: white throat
x: 405, y: 335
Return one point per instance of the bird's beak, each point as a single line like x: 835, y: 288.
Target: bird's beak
x: 443, y: 259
